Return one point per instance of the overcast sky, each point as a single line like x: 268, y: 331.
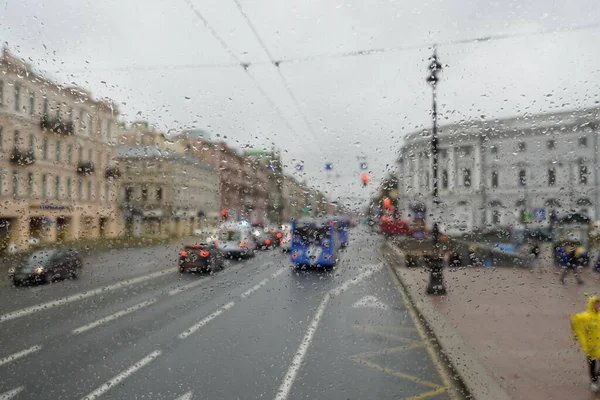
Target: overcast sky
x: 160, y: 62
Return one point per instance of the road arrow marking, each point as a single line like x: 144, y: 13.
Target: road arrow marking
x: 187, y: 396
x: 11, y: 393
x: 370, y: 302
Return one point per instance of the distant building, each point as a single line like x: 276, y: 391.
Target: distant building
x: 57, y: 177
x: 165, y: 193
x: 505, y: 172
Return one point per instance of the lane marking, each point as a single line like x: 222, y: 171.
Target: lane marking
x: 189, y: 286
x: 112, y: 317
x: 433, y: 355
x: 122, y: 376
x: 370, y: 270
x: 254, y: 288
x: 370, y: 302
x: 19, y: 354
x: 290, y: 376
x: 83, y: 295
x: 205, y: 320
x: 186, y: 396
x: 11, y: 393
x: 427, y: 395
x: 276, y: 274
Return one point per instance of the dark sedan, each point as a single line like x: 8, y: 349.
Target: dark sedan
x: 201, y: 257
x: 47, y: 266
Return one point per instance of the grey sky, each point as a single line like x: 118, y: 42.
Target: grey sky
x: 353, y: 105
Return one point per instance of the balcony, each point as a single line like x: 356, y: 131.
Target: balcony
x: 112, y: 172
x: 22, y: 157
x: 56, y: 125
x: 85, y: 168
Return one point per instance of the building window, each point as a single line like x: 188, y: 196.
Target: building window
x: 107, y: 192
x: 108, y: 132
x: 445, y: 179
x: 80, y: 154
x: 31, y: 103
x: 159, y: 194
x: 91, y: 155
x: 30, y: 184
x: 57, y: 151
x: 45, y: 106
x: 58, y: 116
x: 1, y: 92
x: 17, y: 97
x: 69, y: 188
x: 583, y: 174
x: 32, y: 143
x: 70, y: 154
x: 443, y: 154
x: 57, y: 187
x: 522, y: 147
x: 44, y: 186
x: 45, y: 149
x: 15, y: 183
x: 128, y: 193
x: 494, y: 149
x: 495, y: 217
x: 89, y: 191
x: 1, y: 138
x: 80, y: 189
x: 17, y: 138
x: 551, y: 144
x: 494, y: 179
x: 551, y: 177
x: 583, y: 141
x: 81, y: 120
x: 464, y: 151
x: 466, y: 177
x: 70, y: 114
x: 522, y: 177
x: 91, y: 125
x: 144, y: 194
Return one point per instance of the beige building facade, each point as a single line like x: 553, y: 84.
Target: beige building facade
x: 57, y: 178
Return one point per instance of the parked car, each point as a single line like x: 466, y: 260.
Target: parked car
x: 202, y: 257
x: 47, y: 266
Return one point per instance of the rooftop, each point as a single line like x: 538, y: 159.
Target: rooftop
x: 152, y: 151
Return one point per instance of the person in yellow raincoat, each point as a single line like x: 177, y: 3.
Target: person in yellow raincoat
x: 586, y: 328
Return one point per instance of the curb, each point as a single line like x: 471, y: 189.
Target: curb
x: 470, y: 372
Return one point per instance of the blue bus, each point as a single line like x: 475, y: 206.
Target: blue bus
x: 314, y: 242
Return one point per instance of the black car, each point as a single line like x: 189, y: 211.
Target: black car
x: 201, y: 257
x: 47, y: 266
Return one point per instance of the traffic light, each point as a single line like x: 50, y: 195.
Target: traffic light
x: 387, y: 202
x: 224, y: 213
x: 365, y: 179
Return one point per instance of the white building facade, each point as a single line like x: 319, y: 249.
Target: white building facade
x: 502, y: 173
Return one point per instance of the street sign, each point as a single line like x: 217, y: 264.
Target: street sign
x: 527, y: 216
x: 363, y: 165
x: 539, y: 214
x: 329, y: 166
x: 300, y: 166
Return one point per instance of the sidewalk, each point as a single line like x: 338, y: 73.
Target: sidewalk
x: 511, y: 323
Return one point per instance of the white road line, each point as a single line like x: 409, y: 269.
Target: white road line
x: 112, y: 317
x: 19, y: 354
x: 189, y: 286
x: 122, y: 376
x: 206, y: 320
x: 186, y: 396
x: 254, y: 288
x: 83, y: 295
x: 11, y: 393
x: 276, y: 274
x: 290, y: 377
x: 370, y: 270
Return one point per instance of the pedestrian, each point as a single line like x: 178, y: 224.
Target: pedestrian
x: 570, y: 264
x: 586, y: 329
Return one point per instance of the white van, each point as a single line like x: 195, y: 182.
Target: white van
x: 235, y: 240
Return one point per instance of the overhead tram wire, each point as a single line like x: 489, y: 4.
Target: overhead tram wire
x: 319, y: 57
x: 276, y: 64
x: 242, y: 64
x: 482, y: 39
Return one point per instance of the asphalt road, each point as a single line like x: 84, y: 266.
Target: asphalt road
x: 131, y: 327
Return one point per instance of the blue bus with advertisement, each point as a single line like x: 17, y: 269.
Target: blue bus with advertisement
x: 342, y: 226
x: 315, y: 242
